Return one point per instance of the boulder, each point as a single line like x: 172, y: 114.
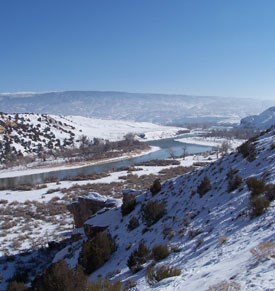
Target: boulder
x: 85, y: 206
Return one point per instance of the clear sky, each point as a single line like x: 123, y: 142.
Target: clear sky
x: 200, y: 47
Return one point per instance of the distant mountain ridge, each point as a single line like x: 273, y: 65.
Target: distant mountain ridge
x: 160, y: 108
x: 262, y: 121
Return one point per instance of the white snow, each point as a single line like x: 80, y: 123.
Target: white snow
x: 211, y: 141
x: 262, y: 121
x: 116, y: 129
x: 204, y: 260
x: 226, y: 232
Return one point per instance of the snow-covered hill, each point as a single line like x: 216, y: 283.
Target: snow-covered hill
x: 213, y: 228
x: 262, y: 121
x: 160, y: 108
x: 24, y: 134
x: 218, y: 223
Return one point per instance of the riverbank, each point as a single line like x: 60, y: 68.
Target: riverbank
x: 211, y: 141
x: 63, y: 165
x: 49, y: 203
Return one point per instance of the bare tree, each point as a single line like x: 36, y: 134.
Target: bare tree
x: 184, y: 148
x: 171, y: 154
x: 225, y: 146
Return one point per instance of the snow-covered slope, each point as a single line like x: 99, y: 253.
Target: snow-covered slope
x: 22, y: 134
x: 213, y: 236
x: 160, y: 108
x: 262, y: 121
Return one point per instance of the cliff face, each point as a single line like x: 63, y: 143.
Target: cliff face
x: 86, y: 206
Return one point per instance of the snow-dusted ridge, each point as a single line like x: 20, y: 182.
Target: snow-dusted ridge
x: 214, y: 234
x: 31, y: 134
x: 160, y: 108
x: 117, y: 129
x: 262, y: 121
x: 94, y: 127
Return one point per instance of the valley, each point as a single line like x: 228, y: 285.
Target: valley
x: 156, y: 108
x: 137, y: 145
x: 38, y: 219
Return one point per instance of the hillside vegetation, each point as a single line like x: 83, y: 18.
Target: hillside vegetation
x: 28, y: 138
x: 211, y: 229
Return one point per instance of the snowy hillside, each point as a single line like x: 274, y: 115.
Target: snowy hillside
x: 156, y: 108
x: 27, y: 134
x: 262, y: 121
x: 217, y: 222
x: 211, y: 229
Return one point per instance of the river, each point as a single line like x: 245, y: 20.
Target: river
x: 166, y: 146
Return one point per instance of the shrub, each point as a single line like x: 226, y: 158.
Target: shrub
x: 225, y: 286
x: 193, y: 232
x: 175, y: 249
x: 138, y: 257
x: 270, y: 192
x: 129, y: 285
x: 153, y: 211
x: 248, y: 150
x: 256, y: 186
x: 16, y: 286
x: 60, y: 277
x: 223, y: 239
x: 128, y: 246
x: 264, y: 250
x: 234, y: 183
x: 4, y: 201
x: 128, y: 204
x: 97, y: 251
x: 133, y: 223
x: 106, y: 285
x: 232, y: 172
x: 259, y: 204
x: 204, y: 186
x: 150, y: 273
x: 168, y: 232
x: 160, y: 252
x: 154, y: 275
x: 21, y: 274
x: 156, y: 187
x: 199, y: 242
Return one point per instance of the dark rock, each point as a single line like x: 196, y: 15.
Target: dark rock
x: 85, y: 206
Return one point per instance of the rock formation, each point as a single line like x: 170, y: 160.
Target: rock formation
x: 85, y: 206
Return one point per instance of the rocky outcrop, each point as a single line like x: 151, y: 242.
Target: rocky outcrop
x: 85, y: 206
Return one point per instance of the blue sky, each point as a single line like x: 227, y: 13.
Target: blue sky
x: 200, y: 47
